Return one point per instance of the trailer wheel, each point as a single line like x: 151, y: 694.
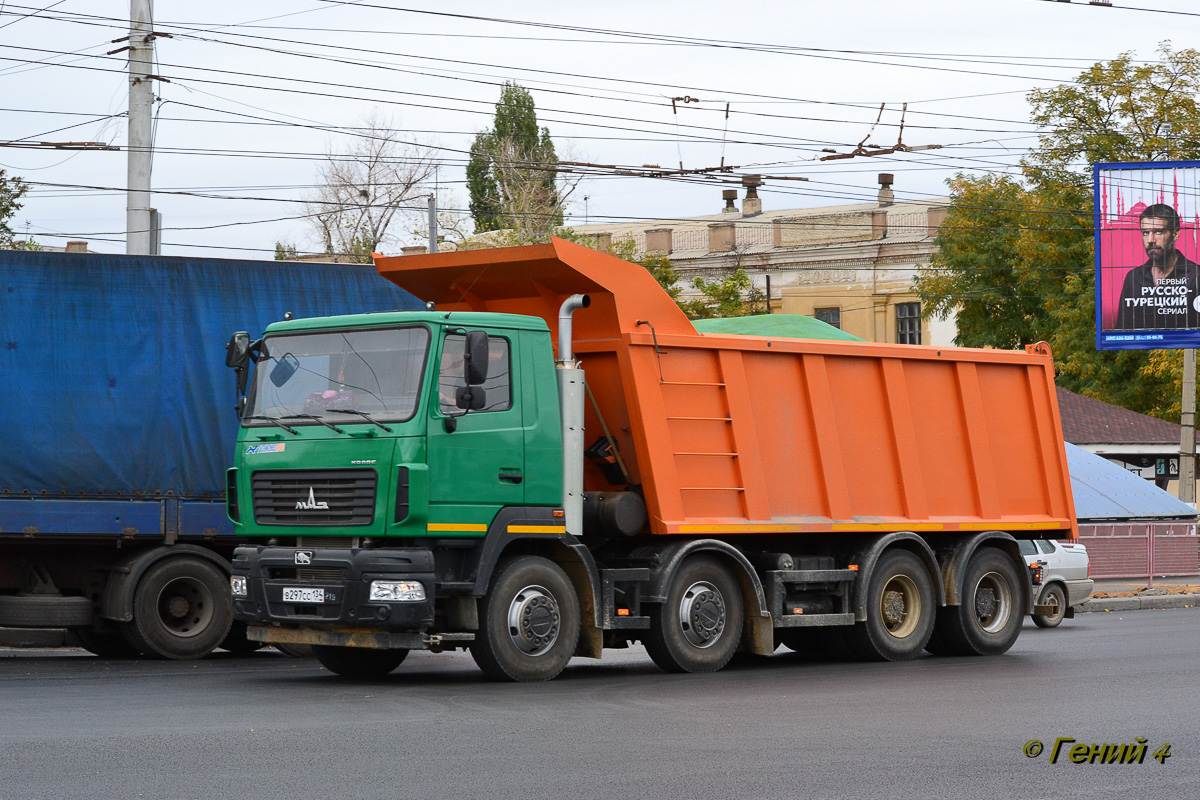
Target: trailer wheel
x: 529, y: 622
x: 698, y: 628
x: 900, y: 610
x: 988, y: 620
x: 358, y: 662
x: 1052, y: 596
x: 106, y: 641
x: 181, y: 609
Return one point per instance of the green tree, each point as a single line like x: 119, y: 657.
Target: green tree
x: 286, y: 252
x: 733, y: 295
x: 1015, y: 256
x: 11, y: 191
x: 511, y: 172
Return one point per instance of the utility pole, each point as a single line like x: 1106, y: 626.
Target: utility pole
x: 433, y: 234
x: 141, y: 146
x: 1187, y: 430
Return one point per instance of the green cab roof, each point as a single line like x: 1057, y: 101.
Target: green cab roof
x: 782, y: 326
x: 465, y: 319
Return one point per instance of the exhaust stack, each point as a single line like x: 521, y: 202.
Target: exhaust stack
x: 570, y: 402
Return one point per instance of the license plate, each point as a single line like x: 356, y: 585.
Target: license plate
x: 294, y: 595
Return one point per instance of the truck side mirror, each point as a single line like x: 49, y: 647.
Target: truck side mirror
x: 284, y: 369
x: 475, y: 358
x: 237, y: 352
x: 470, y: 398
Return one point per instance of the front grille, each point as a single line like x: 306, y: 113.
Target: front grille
x: 308, y: 574
x: 304, y: 497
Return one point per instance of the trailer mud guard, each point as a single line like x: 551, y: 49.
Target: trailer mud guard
x: 116, y: 603
x: 956, y: 564
x: 760, y: 632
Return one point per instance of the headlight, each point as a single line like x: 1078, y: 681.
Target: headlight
x: 237, y: 584
x: 404, y: 591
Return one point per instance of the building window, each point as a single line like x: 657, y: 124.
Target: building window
x: 908, y: 323
x: 830, y: 316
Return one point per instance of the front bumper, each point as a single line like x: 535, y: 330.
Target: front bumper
x: 344, y: 578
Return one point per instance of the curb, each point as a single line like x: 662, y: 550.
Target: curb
x: 1139, y: 603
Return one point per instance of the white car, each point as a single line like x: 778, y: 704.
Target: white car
x: 1065, y: 577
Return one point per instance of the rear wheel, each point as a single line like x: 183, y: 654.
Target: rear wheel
x: 529, y: 622
x: 1052, y: 596
x: 181, y: 609
x: 900, y: 610
x: 988, y: 620
x: 698, y: 628
x: 358, y: 662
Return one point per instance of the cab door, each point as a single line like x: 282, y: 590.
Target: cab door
x: 476, y: 459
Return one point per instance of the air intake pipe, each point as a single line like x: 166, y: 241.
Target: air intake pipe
x: 571, y: 395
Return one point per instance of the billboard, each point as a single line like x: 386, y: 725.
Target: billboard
x: 1147, y: 222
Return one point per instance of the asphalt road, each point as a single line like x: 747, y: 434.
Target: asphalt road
x: 266, y: 726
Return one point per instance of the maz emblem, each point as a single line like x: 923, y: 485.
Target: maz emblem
x: 311, y: 504
x: 304, y: 556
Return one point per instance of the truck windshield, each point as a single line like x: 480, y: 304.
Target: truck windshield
x: 332, y: 374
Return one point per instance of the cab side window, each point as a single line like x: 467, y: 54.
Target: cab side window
x: 498, y: 386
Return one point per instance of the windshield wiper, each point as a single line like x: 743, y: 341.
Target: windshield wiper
x: 316, y: 418
x: 275, y: 421
x: 362, y: 414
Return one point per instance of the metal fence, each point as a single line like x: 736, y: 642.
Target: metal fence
x: 1141, y: 549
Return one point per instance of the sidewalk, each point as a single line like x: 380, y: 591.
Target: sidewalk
x: 1130, y: 594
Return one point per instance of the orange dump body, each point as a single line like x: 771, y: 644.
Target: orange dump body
x: 746, y: 434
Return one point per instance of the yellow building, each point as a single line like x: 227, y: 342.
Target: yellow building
x: 850, y: 266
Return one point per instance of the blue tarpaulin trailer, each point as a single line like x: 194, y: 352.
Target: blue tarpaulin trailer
x: 118, y: 425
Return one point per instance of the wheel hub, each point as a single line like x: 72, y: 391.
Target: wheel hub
x: 993, y: 602
x: 900, y: 606
x: 702, y: 614
x: 177, y: 607
x: 185, y: 607
x: 534, y: 620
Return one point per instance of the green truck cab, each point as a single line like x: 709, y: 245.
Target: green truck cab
x: 376, y: 455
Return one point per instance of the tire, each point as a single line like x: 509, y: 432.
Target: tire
x: 44, y: 611
x: 106, y: 641
x: 900, y: 610
x: 698, y: 628
x: 182, y: 609
x: 529, y: 622
x: 358, y: 662
x: 988, y: 620
x: 1052, y: 595
x: 236, y: 642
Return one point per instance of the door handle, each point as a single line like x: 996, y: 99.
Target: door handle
x: 511, y: 476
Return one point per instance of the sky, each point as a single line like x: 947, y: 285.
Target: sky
x: 255, y: 95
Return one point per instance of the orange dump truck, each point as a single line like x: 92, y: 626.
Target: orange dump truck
x: 701, y: 494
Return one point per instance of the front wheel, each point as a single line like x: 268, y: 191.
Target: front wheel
x: 181, y: 609
x: 700, y: 625
x: 358, y: 662
x: 993, y: 601
x: 1053, y: 596
x: 529, y: 622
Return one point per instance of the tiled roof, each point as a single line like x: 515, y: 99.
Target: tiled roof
x: 1088, y: 421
